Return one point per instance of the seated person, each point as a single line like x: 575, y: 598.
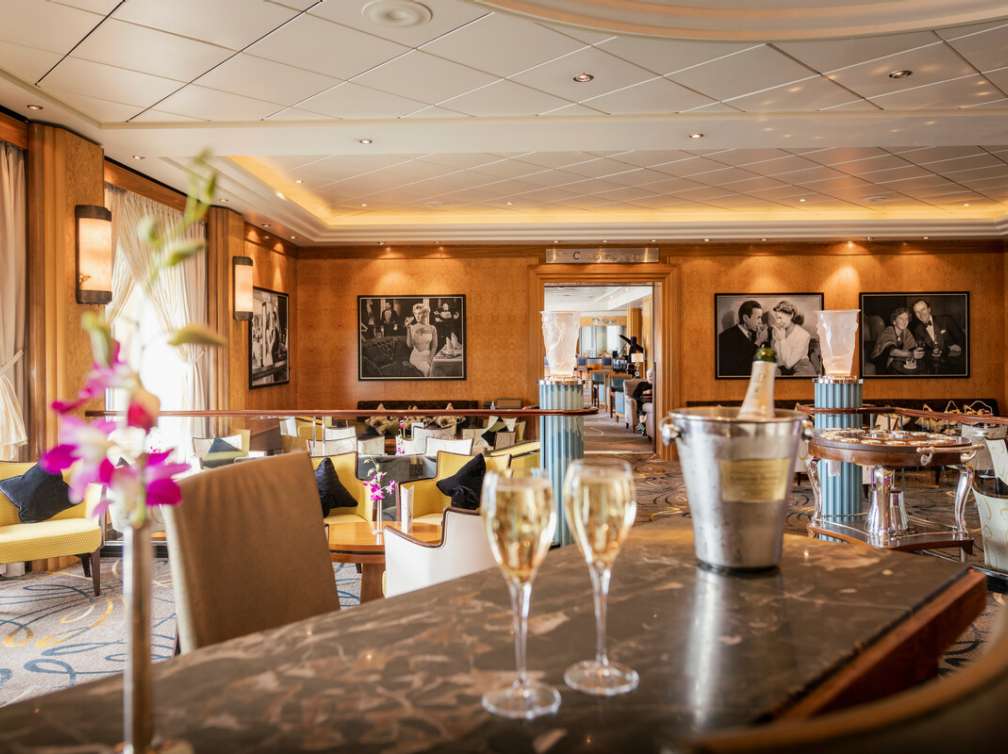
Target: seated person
x: 896, y: 349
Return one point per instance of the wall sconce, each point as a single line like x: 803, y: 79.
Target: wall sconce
x: 243, y: 267
x: 94, y: 254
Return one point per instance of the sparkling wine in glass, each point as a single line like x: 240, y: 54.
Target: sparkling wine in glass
x: 600, y: 504
x: 519, y: 519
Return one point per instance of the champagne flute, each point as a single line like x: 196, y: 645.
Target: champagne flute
x: 600, y: 504
x: 519, y: 519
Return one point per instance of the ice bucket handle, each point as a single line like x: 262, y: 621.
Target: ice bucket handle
x: 669, y: 431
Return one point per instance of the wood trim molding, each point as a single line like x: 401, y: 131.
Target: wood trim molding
x: 667, y: 321
x: 13, y: 131
x: 130, y: 180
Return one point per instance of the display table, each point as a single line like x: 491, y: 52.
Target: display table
x: 886, y: 523
x: 837, y: 624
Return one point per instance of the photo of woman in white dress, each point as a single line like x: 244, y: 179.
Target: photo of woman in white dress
x: 268, y: 339
x: 422, y: 338
x: 419, y: 337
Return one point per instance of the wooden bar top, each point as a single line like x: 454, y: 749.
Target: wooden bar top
x: 835, y: 623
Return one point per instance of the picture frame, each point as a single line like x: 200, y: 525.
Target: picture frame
x: 797, y: 345
x: 269, y: 339
x: 945, y: 344
x: 412, y: 337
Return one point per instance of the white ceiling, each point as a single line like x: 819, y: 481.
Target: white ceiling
x: 479, y: 131
x: 594, y: 299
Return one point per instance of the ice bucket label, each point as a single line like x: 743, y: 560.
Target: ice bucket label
x: 754, y: 480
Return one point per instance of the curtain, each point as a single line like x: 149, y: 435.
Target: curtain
x: 179, y: 296
x: 13, y: 258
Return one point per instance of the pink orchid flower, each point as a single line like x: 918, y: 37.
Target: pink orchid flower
x: 101, y: 377
x: 80, y: 441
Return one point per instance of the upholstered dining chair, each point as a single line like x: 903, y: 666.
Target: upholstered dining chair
x: 71, y: 532
x: 247, y: 550
x: 428, y: 501
x: 998, y: 450
x: 961, y: 712
x: 411, y: 564
x: 435, y: 445
x: 993, y: 512
x: 345, y: 465
x: 319, y: 448
x: 340, y: 433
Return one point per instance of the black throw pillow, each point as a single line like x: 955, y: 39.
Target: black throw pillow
x: 331, y: 491
x: 465, y: 486
x: 38, y: 496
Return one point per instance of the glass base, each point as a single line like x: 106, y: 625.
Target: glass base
x: 522, y: 702
x: 159, y: 746
x: 593, y: 677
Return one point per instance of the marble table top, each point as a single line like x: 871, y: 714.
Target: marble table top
x: 406, y: 674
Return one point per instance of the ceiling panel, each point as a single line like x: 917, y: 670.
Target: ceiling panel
x: 263, y: 79
x: 749, y: 71
x: 655, y: 96
x: 809, y: 94
x: 504, y: 98
x: 352, y: 101
x: 961, y: 92
x: 826, y: 55
x: 664, y: 56
x: 100, y: 110
x: 611, y: 73
x: 294, y: 114
x: 231, y: 23
x: 928, y: 65
x: 986, y: 48
x: 58, y: 30
x: 318, y: 45
x: 159, y: 116
x: 419, y: 75
x: 150, y: 51
x: 108, y: 82
x: 210, y: 104
x: 502, y: 44
x: 26, y: 63
x: 446, y: 15
x: 575, y: 109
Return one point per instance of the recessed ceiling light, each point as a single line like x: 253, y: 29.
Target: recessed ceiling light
x: 139, y: 157
x: 900, y: 74
x: 965, y: 204
x: 299, y: 181
x: 293, y: 238
x: 363, y: 204
x: 706, y: 240
x: 867, y: 238
x: 35, y: 107
x: 654, y: 240
x: 365, y: 140
x: 582, y: 78
x: 225, y: 199
x: 265, y: 238
x: 556, y: 242
x: 265, y: 225
x: 509, y: 204
x: 803, y: 200
x: 762, y: 239
x: 280, y: 195
x: 696, y: 135
x: 397, y: 13
x: 925, y: 238
x: 605, y: 240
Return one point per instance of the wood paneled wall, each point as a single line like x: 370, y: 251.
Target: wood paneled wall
x: 842, y: 271
x: 497, y: 323
x: 64, y: 170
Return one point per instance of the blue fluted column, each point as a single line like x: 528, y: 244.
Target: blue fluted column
x: 561, y: 441
x: 841, y: 493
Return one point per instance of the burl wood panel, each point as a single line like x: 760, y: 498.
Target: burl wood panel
x: 64, y: 170
x: 497, y: 325
x: 842, y: 277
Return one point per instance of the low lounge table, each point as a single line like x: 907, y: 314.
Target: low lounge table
x: 837, y: 624
x: 360, y: 543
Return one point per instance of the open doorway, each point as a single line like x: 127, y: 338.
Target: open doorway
x: 615, y: 361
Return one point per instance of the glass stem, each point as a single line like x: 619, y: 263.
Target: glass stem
x: 521, y: 596
x: 600, y: 587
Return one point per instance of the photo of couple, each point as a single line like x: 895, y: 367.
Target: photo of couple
x: 915, y: 334
x: 783, y: 321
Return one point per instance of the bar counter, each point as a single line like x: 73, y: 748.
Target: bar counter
x: 835, y: 622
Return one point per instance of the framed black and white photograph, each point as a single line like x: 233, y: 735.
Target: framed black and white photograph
x: 411, y: 338
x: 786, y: 322
x: 269, y: 339
x: 915, y: 334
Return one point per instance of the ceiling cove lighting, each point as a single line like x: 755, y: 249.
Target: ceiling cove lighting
x: 243, y: 268
x: 902, y: 74
x: 94, y: 254
x: 582, y: 78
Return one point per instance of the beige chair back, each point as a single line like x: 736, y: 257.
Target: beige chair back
x: 961, y: 712
x: 247, y: 550
x: 993, y: 510
x: 998, y: 450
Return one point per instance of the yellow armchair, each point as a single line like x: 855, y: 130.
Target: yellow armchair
x: 345, y: 465
x: 524, y: 456
x: 428, y: 501
x: 70, y: 532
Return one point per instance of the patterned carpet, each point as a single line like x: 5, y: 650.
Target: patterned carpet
x: 54, y: 633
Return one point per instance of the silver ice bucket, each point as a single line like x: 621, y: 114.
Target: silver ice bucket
x: 738, y: 479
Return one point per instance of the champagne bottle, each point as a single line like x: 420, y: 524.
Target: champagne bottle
x: 759, y: 398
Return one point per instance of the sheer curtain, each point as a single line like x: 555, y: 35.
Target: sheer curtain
x: 12, y: 299
x: 179, y: 297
